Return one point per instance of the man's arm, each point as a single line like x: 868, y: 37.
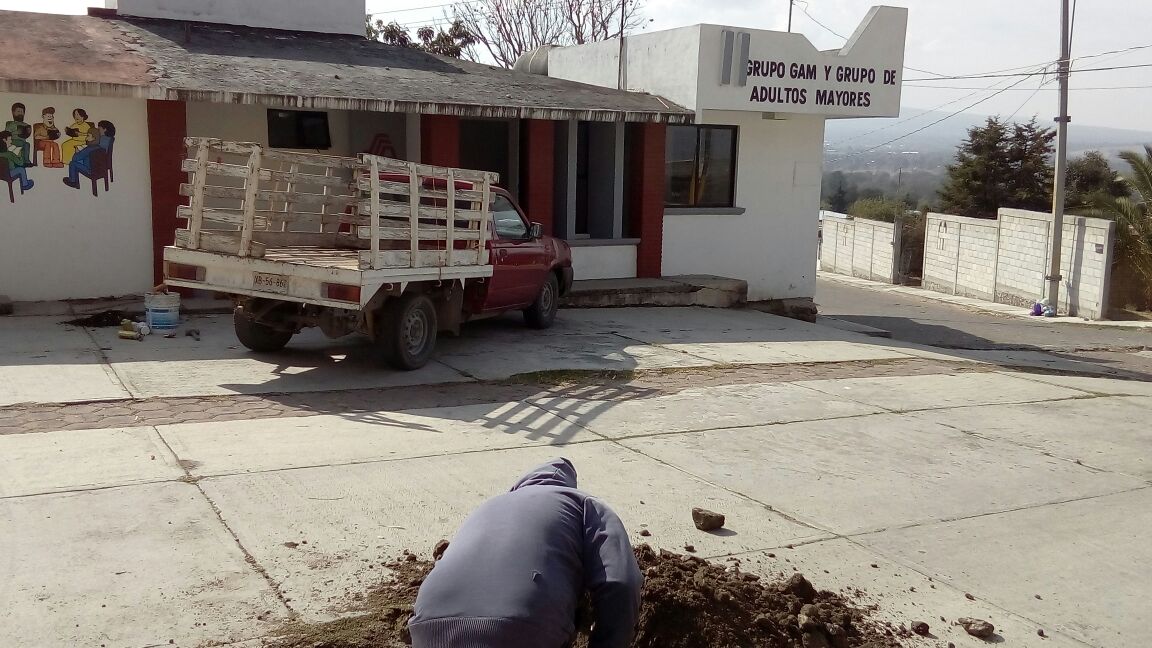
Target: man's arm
x: 611, y: 577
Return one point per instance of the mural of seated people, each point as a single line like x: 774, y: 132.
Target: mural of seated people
x: 20, y: 131
x: 12, y: 165
x: 45, y: 134
x: 77, y: 134
x: 93, y: 159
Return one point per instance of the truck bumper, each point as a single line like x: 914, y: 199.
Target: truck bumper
x: 566, y: 280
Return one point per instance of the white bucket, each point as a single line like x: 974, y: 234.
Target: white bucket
x: 162, y: 311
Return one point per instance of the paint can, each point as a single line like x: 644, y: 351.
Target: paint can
x: 162, y: 311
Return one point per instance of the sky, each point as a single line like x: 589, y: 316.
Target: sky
x: 945, y: 37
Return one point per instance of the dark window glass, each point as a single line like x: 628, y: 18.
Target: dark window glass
x: 680, y: 157
x: 509, y: 225
x: 700, y: 166
x: 298, y: 129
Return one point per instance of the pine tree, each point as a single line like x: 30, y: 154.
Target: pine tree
x: 1029, y: 154
x: 1000, y: 165
x: 975, y: 182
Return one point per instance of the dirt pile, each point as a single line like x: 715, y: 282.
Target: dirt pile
x: 692, y: 603
x: 687, y: 603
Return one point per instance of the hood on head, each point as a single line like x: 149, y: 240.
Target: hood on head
x: 557, y: 472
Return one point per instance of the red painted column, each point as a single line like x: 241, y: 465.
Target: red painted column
x: 647, y: 201
x: 538, y: 177
x: 167, y: 127
x: 440, y: 140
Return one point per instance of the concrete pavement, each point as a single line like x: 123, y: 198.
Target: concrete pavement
x: 958, y: 477
x: 1003, y: 335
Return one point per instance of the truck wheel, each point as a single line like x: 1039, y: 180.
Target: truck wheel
x: 261, y: 338
x: 542, y: 313
x: 407, y: 333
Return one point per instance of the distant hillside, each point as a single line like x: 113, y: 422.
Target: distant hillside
x: 934, y: 147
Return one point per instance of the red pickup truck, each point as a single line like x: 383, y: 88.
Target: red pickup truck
x: 394, y: 250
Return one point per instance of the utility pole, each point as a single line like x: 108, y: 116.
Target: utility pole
x: 791, y: 3
x: 620, y: 58
x: 1057, y: 237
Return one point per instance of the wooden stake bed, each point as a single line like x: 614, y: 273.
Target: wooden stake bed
x: 314, y: 219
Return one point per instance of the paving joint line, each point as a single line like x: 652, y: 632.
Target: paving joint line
x: 976, y: 516
x: 742, y: 427
x: 896, y: 560
x: 1044, y: 451
x: 361, y: 462
x: 248, y: 556
x: 951, y: 584
x: 106, y: 362
x: 711, y: 362
x: 92, y: 489
x: 769, y: 507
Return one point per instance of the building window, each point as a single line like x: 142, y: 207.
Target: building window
x: 298, y: 129
x: 700, y: 166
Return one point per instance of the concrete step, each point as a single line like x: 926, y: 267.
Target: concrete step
x: 695, y: 290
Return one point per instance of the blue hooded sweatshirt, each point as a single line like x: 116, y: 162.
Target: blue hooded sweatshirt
x: 514, y: 574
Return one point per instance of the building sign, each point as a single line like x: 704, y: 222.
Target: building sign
x: 768, y: 71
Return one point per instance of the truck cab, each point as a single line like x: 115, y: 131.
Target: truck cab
x: 528, y: 265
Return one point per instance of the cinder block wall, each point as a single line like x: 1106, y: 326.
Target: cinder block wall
x: 1006, y: 259
x: 960, y: 255
x: 858, y: 247
x: 1085, y: 260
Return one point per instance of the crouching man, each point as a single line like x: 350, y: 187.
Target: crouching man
x: 519, y: 565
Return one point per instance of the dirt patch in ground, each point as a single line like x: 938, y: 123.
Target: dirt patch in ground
x: 100, y: 320
x: 687, y: 603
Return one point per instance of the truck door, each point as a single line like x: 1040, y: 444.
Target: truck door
x: 519, y: 261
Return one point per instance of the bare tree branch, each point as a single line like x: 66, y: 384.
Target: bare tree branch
x: 508, y: 29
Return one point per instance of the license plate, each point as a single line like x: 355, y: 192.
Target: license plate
x: 272, y: 283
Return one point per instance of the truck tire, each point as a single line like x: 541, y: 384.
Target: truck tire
x: 407, y: 333
x: 258, y: 337
x: 542, y: 313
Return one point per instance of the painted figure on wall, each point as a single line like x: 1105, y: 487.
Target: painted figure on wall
x: 44, y: 135
x: 84, y: 148
x: 93, y: 160
x: 20, y: 132
x: 77, y: 134
x: 11, y: 163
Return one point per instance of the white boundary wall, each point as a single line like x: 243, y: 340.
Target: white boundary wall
x: 859, y: 247
x: 604, y: 261
x: 1006, y: 259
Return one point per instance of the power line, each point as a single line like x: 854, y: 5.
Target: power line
x: 924, y: 128
x: 1030, y: 98
x: 1097, y: 88
x: 1110, y: 52
x: 804, y: 10
x: 915, y: 117
x: 993, y: 76
x: 423, y: 8
x: 942, y: 77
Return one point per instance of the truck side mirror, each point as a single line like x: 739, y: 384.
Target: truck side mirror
x: 536, y: 231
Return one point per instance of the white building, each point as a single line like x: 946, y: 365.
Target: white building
x: 700, y: 154
x: 742, y: 185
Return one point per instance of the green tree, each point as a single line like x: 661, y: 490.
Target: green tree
x: 1091, y: 180
x: 881, y: 209
x: 838, y: 201
x: 454, y: 42
x: 1029, y: 156
x: 1132, y: 277
x: 1000, y: 165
